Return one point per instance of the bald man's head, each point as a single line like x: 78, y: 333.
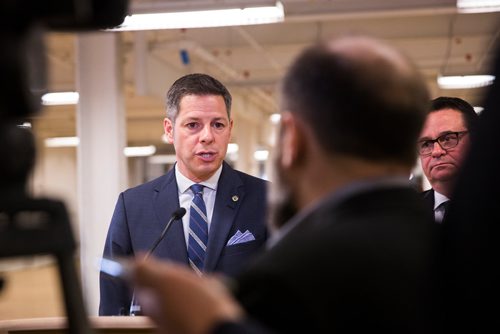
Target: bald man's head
x: 360, y: 97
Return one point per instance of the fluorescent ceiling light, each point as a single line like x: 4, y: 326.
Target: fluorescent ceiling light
x: 275, y: 118
x: 261, y: 155
x: 139, y: 151
x: 25, y: 125
x: 162, y: 159
x: 464, y: 81
x: 133, y: 151
x: 232, y: 151
x: 62, y: 142
x: 61, y: 98
x: 232, y: 148
x: 478, y: 109
x: 203, y: 18
x: 478, y: 6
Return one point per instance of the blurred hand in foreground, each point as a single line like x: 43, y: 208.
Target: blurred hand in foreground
x: 179, y: 301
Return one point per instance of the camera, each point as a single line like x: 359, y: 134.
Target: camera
x: 30, y: 226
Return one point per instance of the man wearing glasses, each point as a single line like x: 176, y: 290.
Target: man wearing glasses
x: 442, y: 145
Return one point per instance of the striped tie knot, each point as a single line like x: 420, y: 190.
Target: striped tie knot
x: 197, y: 189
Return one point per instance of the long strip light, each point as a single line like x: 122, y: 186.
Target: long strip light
x: 130, y: 151
x: 62, y: 142
x: 60, y: 98
x: 478, y: 6
x: 162, y: 159
x: 203, y: 18
x: 465, y: 81
x: 261, y: 155
x: 139, y: 151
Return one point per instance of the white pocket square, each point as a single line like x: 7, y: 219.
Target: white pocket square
x: 239, y: 238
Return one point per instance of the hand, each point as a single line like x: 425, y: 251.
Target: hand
x: 179, y: 301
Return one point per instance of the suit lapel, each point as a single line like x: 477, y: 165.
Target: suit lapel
x: 230, y: 194
x: 428, y: 197
x: 165, y: 202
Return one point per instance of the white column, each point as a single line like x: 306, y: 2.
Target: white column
x: 247, y: 130
x: 101, y: 163
x: 247, y: 140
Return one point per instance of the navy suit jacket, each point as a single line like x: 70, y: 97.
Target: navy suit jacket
x: 428, y: 196
x: 141, y: 214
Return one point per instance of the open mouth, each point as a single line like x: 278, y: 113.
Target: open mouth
x: 207, y: 156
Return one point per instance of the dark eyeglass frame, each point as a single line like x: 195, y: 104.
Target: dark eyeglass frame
x: 429, y: 144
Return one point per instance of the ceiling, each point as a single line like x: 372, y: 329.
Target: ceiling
x: 250, y: 60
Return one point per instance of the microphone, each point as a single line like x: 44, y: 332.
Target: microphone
x: 135, y: 309
x: 178, y: 214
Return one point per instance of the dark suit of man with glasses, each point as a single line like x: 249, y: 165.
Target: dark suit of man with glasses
x: 442, y: 146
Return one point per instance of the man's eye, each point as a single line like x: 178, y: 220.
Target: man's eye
x: 446, y: 138
x: 192, y: 125
x: 426, y: 144
x: 219, y: 125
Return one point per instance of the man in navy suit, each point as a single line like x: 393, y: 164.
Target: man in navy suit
x: 442, y: 147
x: 198, y: 124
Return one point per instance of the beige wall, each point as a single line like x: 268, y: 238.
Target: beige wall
x: 31, y: 290
x: 55, y: 176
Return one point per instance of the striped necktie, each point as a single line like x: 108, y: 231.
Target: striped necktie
x: 198, y: 230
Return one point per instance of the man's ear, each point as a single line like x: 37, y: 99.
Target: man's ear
x: 292, y: 140
x: 168, y: 126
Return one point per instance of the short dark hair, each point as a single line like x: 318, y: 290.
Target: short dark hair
x: 368, y: 107
x: 469, y: 115
x: 195, y: 84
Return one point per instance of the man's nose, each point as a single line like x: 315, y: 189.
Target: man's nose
x: 437, y: 150
x: 206, y: 134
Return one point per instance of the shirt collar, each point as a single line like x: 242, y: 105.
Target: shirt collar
x: 184, y: 183
x: 439, y: 199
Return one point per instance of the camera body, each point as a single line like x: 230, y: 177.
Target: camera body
x: 30, y: 226
x: 23, y: 70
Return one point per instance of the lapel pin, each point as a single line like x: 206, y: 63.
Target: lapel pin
x: 235, y: 198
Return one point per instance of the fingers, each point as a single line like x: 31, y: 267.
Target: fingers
x: 153, y: 273
x: 179, y: 301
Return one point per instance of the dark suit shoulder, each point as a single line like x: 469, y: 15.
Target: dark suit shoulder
x: 249, y: 179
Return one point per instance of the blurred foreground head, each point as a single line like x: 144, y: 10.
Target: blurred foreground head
x: 359, y: 97
x: 353, y: 101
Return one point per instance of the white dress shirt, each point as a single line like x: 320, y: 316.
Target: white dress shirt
x: 438, y: 208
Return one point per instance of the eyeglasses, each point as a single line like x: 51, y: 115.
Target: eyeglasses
x: 446, y: 141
